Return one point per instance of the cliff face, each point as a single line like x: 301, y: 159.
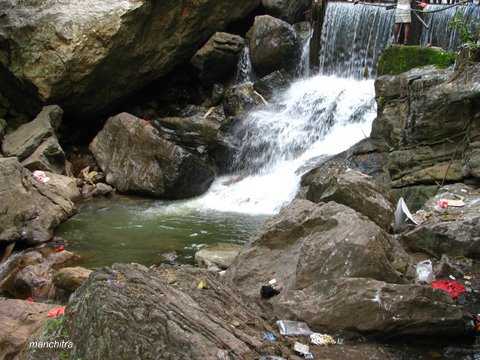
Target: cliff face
x: 87, y: 55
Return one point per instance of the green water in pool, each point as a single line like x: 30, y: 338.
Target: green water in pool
x: 126, y: 229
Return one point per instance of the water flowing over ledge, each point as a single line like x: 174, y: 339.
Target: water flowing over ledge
x: 319, y: 116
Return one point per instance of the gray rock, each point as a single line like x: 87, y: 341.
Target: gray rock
x: 31, y: 273
x: 188, y: 322
x: 3, y: 129
x: 130, y: 43
x: 136, y: 159
x: 240, y: 99
x: 373, y: 307
x: 217, y: 59
x: 71, y: 278
x: 271, y: 84
x: 29, y: 210
x: 49, y: 156
x: 102, y: 189
x: 452, y: 231
x: 333, y: 182
x: 288, y: 10
x: 64, y: 186
x: 428, y: 118
x: 274, y: 45
x: 308, y: 242
x: 221, y: 255
x: 25, y: 140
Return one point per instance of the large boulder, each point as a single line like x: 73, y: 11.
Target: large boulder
x: 29, y: 210
x: 333, y: 182
x: 428, y: 118
x: 123, y: 43
x: 271, y: 84
x: 454, y: 231
x: 330, y: 262
x: 274, y: 45
x: 35, y: 144
x: 288, y: 10
x: 374, y: 307
x: 308, y: 242
x: 20, y: 320
x: 203, y: 133
x: 164, y: 314
x: 218, y: 58
x: 70, y: 279
x: 137, y: 159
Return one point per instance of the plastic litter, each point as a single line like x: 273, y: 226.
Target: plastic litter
x: 453, y: 288
x: 293, y: 328
x: 442, y: 204
x: 425, y: 272
x: 40, y: 176
x: 268, y: 336
x: 322, y: 339
x: 402, y: 213
x: 56, y: 312
x: 455, y: 203
x: 271, y: 357
x: 59, y: 248
x: 202, y: 285
x: 303, y: 350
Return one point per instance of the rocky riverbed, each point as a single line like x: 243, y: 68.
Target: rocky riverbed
x: 123, y: 229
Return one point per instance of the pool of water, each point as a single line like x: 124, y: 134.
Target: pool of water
x: 126, y: 229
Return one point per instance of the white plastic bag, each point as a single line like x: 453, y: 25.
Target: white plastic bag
x: 425, y: 272
x: 293, y: 328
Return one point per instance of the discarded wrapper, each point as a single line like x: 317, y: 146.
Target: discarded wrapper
x: 303, y: 350
x: 40, y: 176
x: 401, y: 213
x: 293, y: 328
x: 322, y: 339
x: 424, y: 271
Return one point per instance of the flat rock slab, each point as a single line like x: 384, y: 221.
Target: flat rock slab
x: 163, y: 314
x: 221, y: 255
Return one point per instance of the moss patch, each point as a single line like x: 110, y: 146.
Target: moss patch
x: 397, y: 59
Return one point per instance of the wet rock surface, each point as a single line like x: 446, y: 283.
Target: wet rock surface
x: 29, y: 209
x: 288, y: 10
x: 136, y: 159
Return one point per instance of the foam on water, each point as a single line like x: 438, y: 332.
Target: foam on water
x: 317, y: 116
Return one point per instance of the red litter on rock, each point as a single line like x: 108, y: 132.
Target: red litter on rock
x: 59, y: 248
x: 453, y: 288
x: 56, y: 312
x: 30, y: 300
x: 442, y: 204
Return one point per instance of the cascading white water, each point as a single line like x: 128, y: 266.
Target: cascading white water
x: 353, y: 38
x: 316, y: 117
x: 244, y: 67
x: 440, y: 33
x: 322, y: 115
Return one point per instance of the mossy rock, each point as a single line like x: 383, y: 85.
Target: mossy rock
x: 398, y: 59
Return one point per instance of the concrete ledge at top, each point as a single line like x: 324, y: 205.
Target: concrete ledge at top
x: 99, y: 52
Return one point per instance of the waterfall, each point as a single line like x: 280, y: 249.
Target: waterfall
x: 439, y: 33
x: 304, y: 67
x: 244, y: 67
x: 316, y: 117
x: 353, y: 38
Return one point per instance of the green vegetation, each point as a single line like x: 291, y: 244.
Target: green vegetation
x: 469, y: 34
x: 397, y: 59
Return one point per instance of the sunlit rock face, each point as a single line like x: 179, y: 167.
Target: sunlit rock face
x: 86, y: 55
